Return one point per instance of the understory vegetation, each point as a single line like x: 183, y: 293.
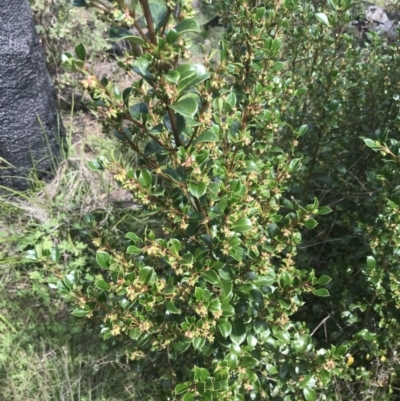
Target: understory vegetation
x: 231, y: 231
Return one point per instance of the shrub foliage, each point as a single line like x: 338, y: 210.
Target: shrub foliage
x: 272, y: 170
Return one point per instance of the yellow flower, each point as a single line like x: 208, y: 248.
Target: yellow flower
x: 350, y: 359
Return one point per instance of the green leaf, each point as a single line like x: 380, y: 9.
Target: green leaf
x: 251, y: 340
x: 80, y: 312
x: 201, y: 374
x: 191, y: 75
x: 171, y: 308
x: 103, y: 259
x: 282, y: 336
x: 132, y: 236
x: 95, y: 165
x: 197, y: 189
x: 211, y: 276
x: 248, y: 362
x: 300, y: 92
x: 147, y: 275
x: 324, y: 210
x: 285, y: 279
x: 173, y: 76
x: 238, y: 334
x: 242, y: 225
x: 124, y: 303
x: 80, y: 51
x: 321, y: 17
x: 181, y: 387
x: 139, y: 110
x: 310, y: 224
x: 103, y: 285
x: 133, y: 250
x: 227, y: 309
x: 231, y: 100
x: 278, y: 66
x: 187, y: 107
x: 198, y: 342
x: 172, y: 36
x: 232, y: 360
x: 55, y: 254
x: 371, y: 263
x: 309, y: 394
x: 187, y: 25
x: 321, y: 292
x: 116, y: 33
x: 341, y: 350
x: 302, y: 130
x: 145, y: 178
x: 135, y: 333
x: 188, y: 397
x: 226, y: 287
x: 371, y: 144
x: 180, y: 122
x: 225, y: 327
x: 323, y: 280
x: 207, y: 136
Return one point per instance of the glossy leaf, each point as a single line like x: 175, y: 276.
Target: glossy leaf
x: 133, y: 250
x: 80, y: 51
x: 310, y: 224
x: 198, y: 343
x: 225, y: 327
x: 371, y: 263
x: 80, y: 312
x: 191, y: 75
x: 102, y: 285
x: 238, y: 334
x: 242, y: 225
x: 324, y: 210
x: 171, y: 308
x: 145, y: 178
x: 321, y: 17
x: 187, y: 25
x: 181, y: 387
x: 134, y: 334
x: 323, y: 280
x: 207, y: 136
x: 173, y: 76
x: 197, y: 189
x: 103, y: 259
x: 188, y: 397
x: 321, y: 292
x: 201, y: 374
x: 147, y: 275
x: 186, y: 106
x: 309, y: 394
x: 117, y: 33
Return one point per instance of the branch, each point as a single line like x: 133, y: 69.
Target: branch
x: 174, y: 127
x: 138, y: 28
x: 149, y: 21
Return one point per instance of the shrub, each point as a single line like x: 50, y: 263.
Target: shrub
x: 61, y: 28
x: 239, y: 159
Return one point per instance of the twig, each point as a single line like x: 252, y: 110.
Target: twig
x: 321, y: 323
x: 149, y: 21
x: 174, y: 127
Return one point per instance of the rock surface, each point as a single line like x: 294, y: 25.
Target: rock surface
x: 30, y: 129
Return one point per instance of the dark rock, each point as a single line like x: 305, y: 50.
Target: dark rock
x: 30, y: 130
